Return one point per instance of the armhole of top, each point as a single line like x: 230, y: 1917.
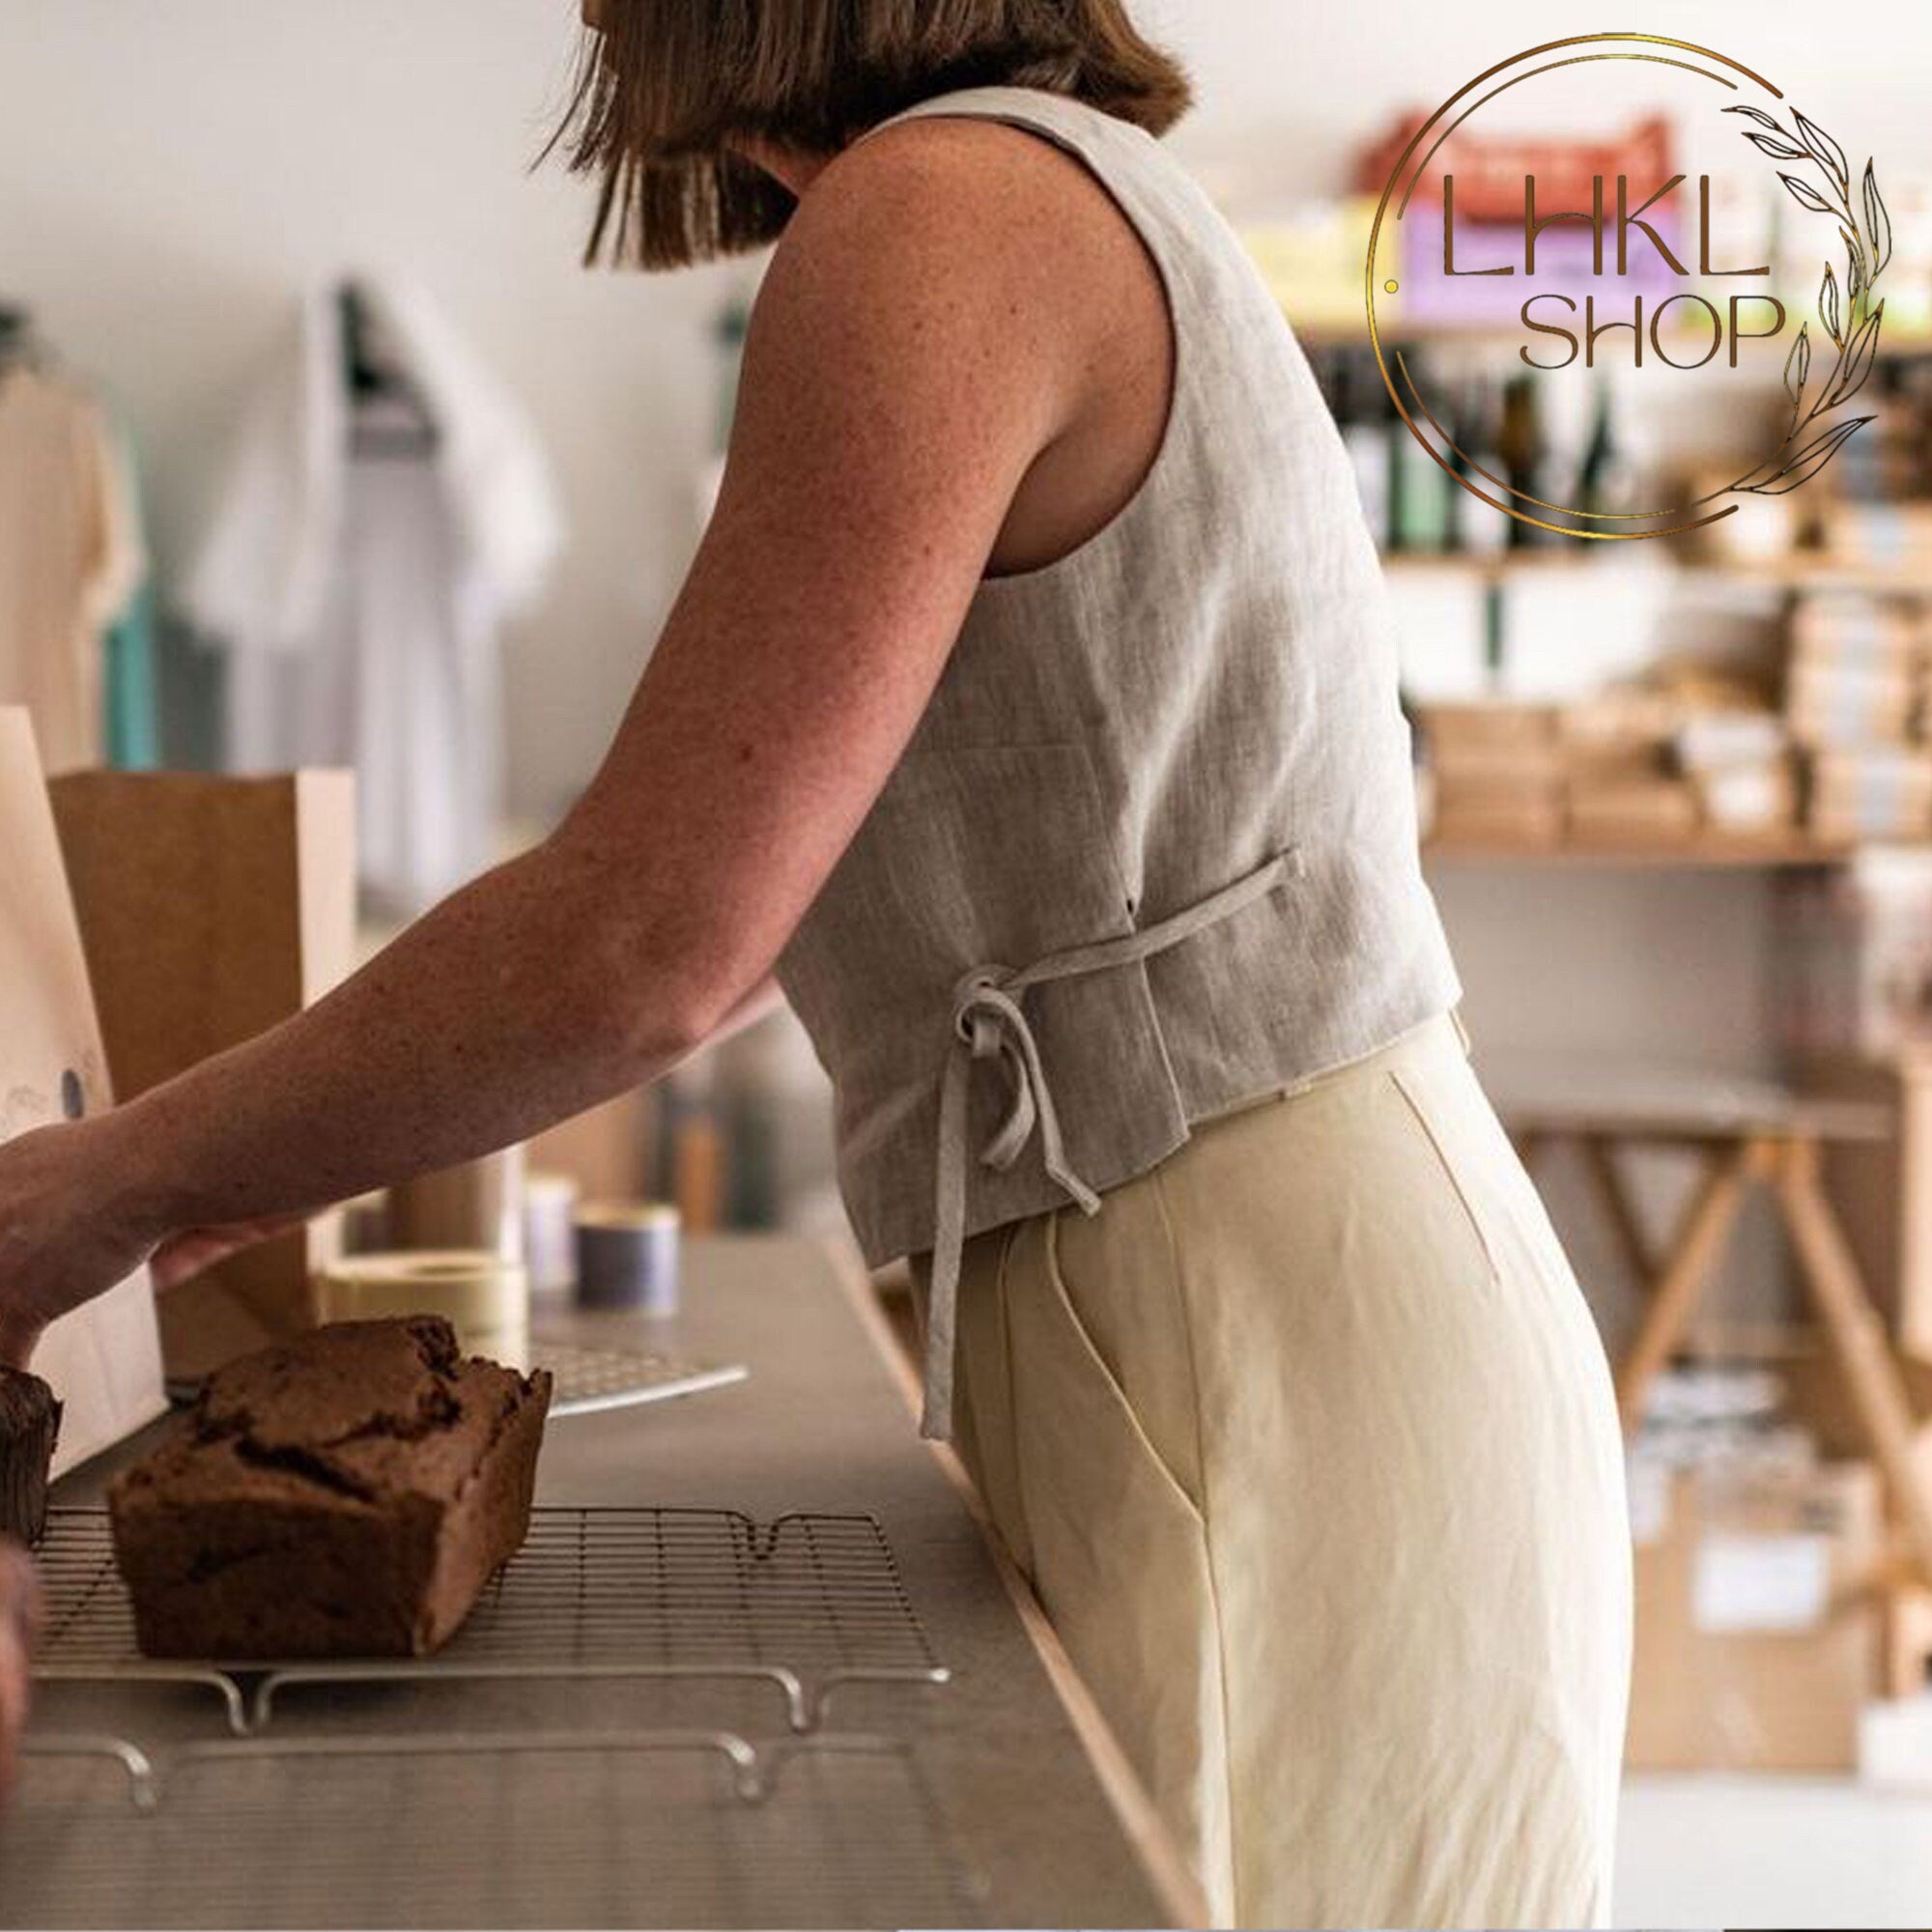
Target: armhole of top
x: 1057, y: 138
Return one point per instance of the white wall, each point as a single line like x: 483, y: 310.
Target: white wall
x: 172, y: 171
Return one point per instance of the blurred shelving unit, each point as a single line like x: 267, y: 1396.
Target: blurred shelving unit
x: 1705, y: 850
x: 1797, y: 570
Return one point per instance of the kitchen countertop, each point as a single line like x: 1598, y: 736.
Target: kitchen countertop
x: 1045, y: 1825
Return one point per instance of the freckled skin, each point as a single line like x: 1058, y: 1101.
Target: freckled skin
x: 960, y: 360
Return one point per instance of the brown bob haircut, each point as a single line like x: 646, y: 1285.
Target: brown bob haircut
x: 666, y: 85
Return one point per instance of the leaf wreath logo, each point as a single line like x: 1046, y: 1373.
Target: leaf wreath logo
x: 1408, y: 266
x: 1850, y: 319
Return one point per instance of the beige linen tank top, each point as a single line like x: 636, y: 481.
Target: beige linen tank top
x: 1152, y: 851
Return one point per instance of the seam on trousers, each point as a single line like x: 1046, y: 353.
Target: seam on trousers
x: 1206, y: 1541
x: 1449, y: 1173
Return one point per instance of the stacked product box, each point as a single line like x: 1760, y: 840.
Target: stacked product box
x: 1758, y: 1632
x: 1620, y: 787
x: 1628, y: 767
x: 1855, y: 701
x: 1498, y: 773
x: 1739, y: 762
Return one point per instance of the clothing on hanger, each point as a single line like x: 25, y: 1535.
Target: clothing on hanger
x: 71, y: 551
x: 386, y: 508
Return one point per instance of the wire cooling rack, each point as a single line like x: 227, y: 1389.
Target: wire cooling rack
x: 646, y: 1830
x: 590, y: 1380
x: 804, y: 1603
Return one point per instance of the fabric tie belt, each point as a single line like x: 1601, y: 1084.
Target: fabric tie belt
x: 989, y: 1022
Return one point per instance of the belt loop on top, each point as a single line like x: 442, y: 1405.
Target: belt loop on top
x: 988, y: 1022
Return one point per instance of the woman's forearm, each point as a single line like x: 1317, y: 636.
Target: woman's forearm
x: 525, y: 998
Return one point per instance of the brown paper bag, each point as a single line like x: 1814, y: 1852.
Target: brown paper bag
x: 104, y: 1360
x: 213, y: 908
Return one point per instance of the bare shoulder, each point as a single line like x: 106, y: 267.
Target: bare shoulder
x: 969, y: 216
x: 1014, y: 189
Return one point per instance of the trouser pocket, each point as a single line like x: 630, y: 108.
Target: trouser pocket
x: 1115, y: 1548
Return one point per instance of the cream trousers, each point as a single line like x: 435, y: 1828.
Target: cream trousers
x: 1307, y: 1443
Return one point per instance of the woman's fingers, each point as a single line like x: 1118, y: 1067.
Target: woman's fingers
x: 187, y: 1255
x: 20, y: 1609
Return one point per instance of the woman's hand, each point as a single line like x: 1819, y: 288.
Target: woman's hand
x: 183, y: 1256
x: 66, y: 1231
x: 20, y: 1599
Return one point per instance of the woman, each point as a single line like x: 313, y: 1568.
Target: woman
x: 1031, y: 706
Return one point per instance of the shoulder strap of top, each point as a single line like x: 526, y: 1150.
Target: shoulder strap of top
x: 1110, y: 146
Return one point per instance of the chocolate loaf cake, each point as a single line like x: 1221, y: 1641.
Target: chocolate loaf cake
x: 29, y: 1428
x: 346, y: 1495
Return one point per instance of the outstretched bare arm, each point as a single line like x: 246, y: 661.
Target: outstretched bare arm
x: 887, y: 419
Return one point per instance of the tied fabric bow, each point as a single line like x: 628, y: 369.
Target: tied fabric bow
x: 989, y: 1023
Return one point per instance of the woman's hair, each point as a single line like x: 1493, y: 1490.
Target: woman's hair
x: 666, y: 84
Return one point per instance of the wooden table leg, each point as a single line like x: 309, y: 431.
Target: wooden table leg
x: 1858, y: 1340
x: 1906, y: 1622
x: 1606, y: 1182
x: 1915, y: 1203
x: 1700, y: 1239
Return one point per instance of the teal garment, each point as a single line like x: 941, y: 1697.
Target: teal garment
x: 131, y: 693
x: 132, y: 696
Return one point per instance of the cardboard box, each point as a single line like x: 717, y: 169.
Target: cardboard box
x: 1497, y: 773
x: 102, y: 1360
x: 1452, y: 729
x: 1479, y: 768
x: 1851, y: 627
x: 1878, y: 533
x: 1758, y: 1636
x: 1834, y: 701
x: 1636, y: 811
x: 1618, y: 721
x: 1535, y: 821
x: 1877, y: 792
x: 212, y: 908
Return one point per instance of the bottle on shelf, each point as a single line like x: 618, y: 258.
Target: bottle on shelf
x: 1364, y: 414
x: 1421, y: 507
x: 1605, y: 478
x: 1525, y: 450
x: 1478, y: 529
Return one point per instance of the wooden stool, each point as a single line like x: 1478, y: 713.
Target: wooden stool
x: 1748, y: 1133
